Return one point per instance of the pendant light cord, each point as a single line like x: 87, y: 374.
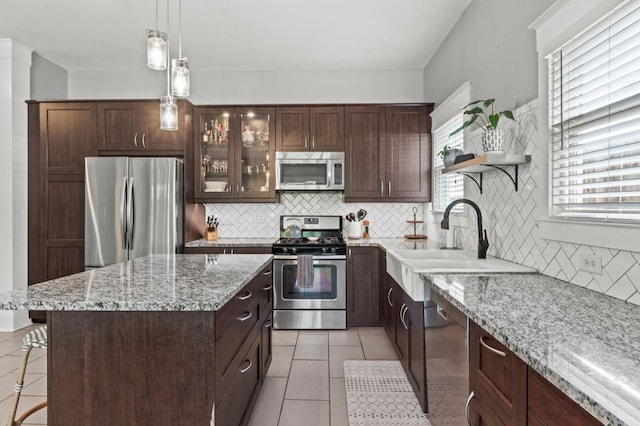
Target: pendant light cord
x: 156, y: 15
x: 179, y: 29
x: 168, y: 55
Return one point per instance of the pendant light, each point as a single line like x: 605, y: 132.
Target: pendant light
x: 156, y: 47
x: 168, y: 106
x: 180, y: 75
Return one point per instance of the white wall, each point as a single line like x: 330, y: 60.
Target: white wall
x: 256, y: 87
x: 49, y: 81
x: 492, y: 47
x: 15, y: 61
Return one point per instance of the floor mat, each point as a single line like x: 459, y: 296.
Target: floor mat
x: 379, y: 394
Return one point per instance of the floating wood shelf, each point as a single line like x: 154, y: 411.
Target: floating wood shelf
x: 488, y: 163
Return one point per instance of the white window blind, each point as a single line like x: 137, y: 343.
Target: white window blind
x: 594, y: 116
x: 450, y: 186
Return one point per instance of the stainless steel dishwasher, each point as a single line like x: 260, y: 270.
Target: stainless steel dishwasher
x: 447, y: 359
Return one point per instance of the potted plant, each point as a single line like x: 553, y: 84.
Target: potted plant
x: 449, y: 155
x: 483, y: 115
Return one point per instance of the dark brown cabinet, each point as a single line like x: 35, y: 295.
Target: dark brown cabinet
x: 404, y: 324
x: 388, y: 153
x: 314, y: 128
x: 363, y: 287
x: 61, y: 135
x: 498, y: 379
x: 233, y: 154
x: 133, y: 128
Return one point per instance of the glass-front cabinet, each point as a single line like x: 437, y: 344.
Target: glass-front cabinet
x: 234, y: 154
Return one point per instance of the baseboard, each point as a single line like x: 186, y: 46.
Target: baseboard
x: 14, y: 320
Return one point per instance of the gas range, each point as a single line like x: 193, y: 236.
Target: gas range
x: 311, y: 235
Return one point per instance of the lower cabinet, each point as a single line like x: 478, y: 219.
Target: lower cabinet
x: 243, y: 349
x: 508, y: 392
x: 363, y: 287
x: 404, y: 323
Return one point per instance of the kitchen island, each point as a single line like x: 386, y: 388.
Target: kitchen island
x: 161, y: 340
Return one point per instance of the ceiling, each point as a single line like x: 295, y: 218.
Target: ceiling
x: 249, y: 35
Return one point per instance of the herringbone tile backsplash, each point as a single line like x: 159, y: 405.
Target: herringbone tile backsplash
x: 263, y: 220
x: 510, y: 220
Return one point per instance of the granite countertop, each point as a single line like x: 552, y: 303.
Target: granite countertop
x: 233, y: 242
x: 394, y: 243
x: 585, y: 343
x: 155, y: 283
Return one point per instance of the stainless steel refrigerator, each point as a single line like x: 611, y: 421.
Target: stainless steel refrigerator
x: 133, y: 208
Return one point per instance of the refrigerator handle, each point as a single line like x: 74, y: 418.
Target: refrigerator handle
x: 123, y: 222
x: 131, y: 214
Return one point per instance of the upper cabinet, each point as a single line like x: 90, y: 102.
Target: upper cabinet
x: 134, y: 127
x: 315, y: 128
x: 388, y: 153
x: 233, y: 154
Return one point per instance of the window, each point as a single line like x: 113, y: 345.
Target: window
x: 594, y: 117
x: 446, y: 187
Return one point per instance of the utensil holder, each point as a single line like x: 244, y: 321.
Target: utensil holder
x: 354, y: 230
x: 211, y: 235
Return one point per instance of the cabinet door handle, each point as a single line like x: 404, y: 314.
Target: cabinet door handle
x: 381, y: 188
x: 404, y: 317
x: 246, y: 296
x: 269, y: 272
x: 389, y: 296
x: 233, y: 251
x: 135, y: 140
x: 466, y: 407
x: 441, y: 311
x: 224, y: 251
x: 402, y: 311
x: 313, y: 142
x: 244, y: 370
x: 237, y: 189
x: 389, y: 188
x: 144, y: 136
x: 306, y: 143
x: 267, y: 287
x: 246, y: 317
x: 268, y: 324
x: 494, y: 350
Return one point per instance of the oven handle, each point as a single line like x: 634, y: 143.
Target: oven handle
x: 320, y: 257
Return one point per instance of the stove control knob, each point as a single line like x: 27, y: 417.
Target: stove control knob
x: 324, y: 249
x: 285, y: 250
x: 293, y: 250
x: 333, y: 249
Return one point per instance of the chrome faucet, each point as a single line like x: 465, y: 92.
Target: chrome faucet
x: 483, y: 243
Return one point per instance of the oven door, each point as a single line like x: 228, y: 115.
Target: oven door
x: 329, y: 289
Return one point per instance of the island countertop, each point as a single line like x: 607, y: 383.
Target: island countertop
x: 153, y: 283
x: 585, y: 343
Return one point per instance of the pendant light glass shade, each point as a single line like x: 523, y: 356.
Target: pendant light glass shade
x: 168, y: 113
x: 180, y: 78
x: 156, y: 50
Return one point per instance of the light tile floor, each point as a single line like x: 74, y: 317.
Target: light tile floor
x: 304, y: 385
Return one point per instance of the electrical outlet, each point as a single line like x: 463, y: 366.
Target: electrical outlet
x: 590, y: 262
x: 256, y: 218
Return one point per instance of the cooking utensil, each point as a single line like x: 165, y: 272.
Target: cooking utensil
x: 362, y: 213
x: 352, y: 217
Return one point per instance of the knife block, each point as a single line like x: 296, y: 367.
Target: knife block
x: 211, y: 235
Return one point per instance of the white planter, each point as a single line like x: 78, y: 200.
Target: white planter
x: 493, y: 141
x: 450, y: 158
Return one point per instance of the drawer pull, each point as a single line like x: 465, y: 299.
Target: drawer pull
x: 246, y: 296
x: 494, y: 350
x: 441, y: 311
x: 268, y: 324
x: 403, y: 310
x: 466, y: 407
x: 389, y: 296
x: 267, y: 287
x: 267, y: 273
x: 244, y: 370
x: 246, y: 317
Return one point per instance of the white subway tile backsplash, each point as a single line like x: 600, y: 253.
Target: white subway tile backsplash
x: 510, y: 218
x: 386, y: 219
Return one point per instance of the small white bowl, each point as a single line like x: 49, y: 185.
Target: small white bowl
x: 313, y: 239
x: 215, y: 186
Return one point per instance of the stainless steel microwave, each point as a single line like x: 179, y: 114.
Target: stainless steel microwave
x: 310, y: 171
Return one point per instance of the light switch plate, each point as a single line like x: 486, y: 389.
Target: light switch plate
x: 590, y: 262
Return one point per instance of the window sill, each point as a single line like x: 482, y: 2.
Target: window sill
x: 610, y: 235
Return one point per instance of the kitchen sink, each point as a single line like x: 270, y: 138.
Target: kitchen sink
x: 406, y: 266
